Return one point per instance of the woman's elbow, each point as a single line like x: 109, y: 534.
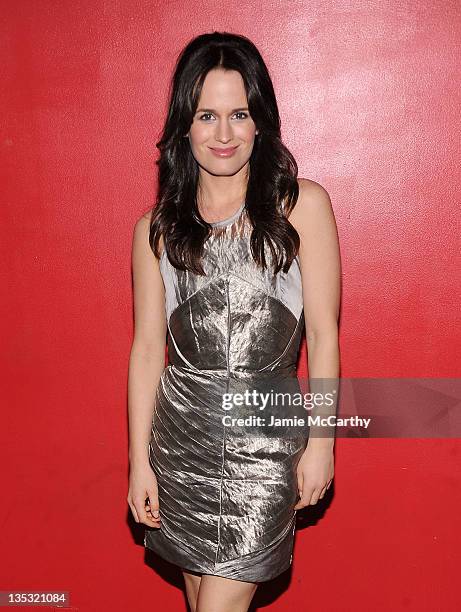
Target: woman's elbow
x: 324, y: 334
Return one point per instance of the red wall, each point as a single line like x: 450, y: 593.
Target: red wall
x: 369, y: 97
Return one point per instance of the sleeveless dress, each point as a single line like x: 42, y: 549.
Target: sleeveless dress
x: 226, y: 502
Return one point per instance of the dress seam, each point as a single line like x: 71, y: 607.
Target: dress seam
x: 224, y: 427
x: 290, y: 342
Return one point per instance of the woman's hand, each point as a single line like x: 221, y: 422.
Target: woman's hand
x: 143, y: 495
x: 315, y: 472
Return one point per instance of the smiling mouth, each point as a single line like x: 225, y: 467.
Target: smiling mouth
x: 223, y: 151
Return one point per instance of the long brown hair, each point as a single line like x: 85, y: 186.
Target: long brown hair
x: 272, y: 177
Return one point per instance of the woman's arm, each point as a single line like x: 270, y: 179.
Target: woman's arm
x: 319, y: 258
x: 147, y: 358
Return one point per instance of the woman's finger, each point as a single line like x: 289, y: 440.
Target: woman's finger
x: 323, y: 491
x: 133, y: 512
x: 315, y: 496
x: 157, y: 520
x: 143, y: 516
x: 154, y: 504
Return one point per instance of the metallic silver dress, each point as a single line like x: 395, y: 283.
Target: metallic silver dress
x: 226, y: 502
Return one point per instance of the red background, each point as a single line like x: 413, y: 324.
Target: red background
x: 369, y: 96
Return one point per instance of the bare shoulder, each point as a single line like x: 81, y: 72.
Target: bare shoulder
x: 312, y: 190
x: 313, y: 205
x: 142, y: 224
x: 313, y: 208
x: 141, y: 230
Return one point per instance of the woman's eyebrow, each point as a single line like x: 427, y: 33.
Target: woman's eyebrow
x: 212, y: 110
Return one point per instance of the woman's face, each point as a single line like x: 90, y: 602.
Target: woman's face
x: 222, y: 121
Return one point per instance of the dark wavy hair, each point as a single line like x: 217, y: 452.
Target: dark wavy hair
x: 272, y: 176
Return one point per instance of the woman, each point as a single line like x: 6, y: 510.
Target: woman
x: 235, y: 257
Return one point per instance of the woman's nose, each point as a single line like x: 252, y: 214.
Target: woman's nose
x: 223, y: 131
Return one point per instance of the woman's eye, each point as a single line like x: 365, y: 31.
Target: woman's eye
x: 243, y: 115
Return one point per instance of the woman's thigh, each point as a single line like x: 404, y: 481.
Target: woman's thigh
x: 192, y: 582
x: 217, y: 594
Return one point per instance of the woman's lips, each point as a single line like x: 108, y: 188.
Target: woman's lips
x: 227, y: 152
